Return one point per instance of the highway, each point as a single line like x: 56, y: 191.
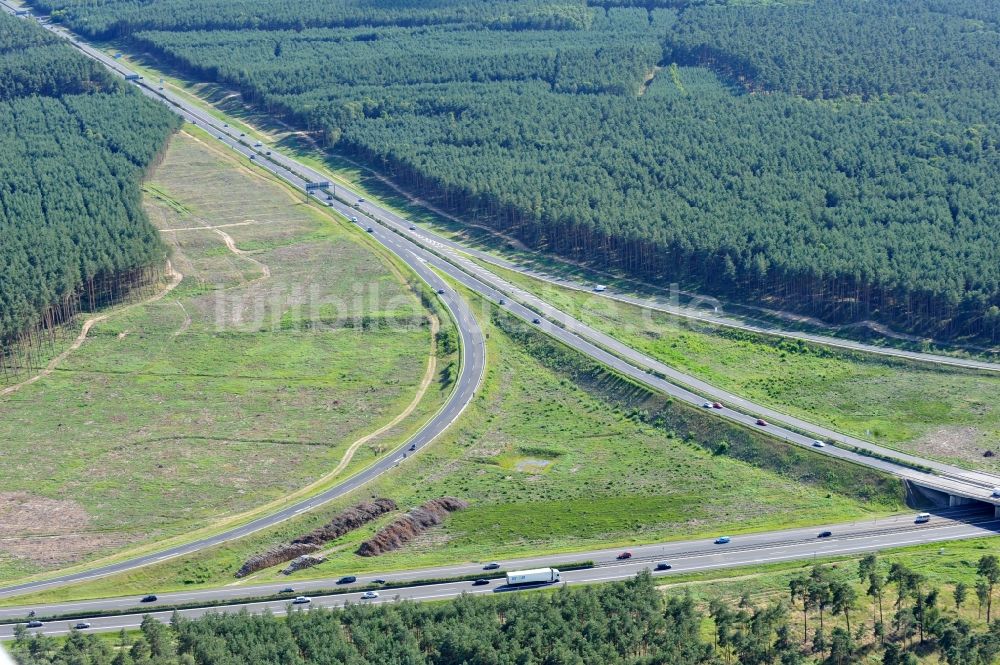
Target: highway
x: 422, y: 251
x: 683, y: 557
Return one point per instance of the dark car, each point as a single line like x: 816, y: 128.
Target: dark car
x: 82, y: 625
x: 536, y: 320
x: 624, y: 555
x: 347, y: 579
x: 663, y: 566
x: 491, y: 566
x: 762, y: 422
x: 287, y: 589
x: 440, y: 292
x: 413, y: 447
x: 716, y: 405
x: 503, y: 302
x: 371, y: 230
x: 480, y: 582
x: 825, y: 534
x: 151, y: 598
x: 378, y: 581
x: 34, y: 624
x: 329, y: 198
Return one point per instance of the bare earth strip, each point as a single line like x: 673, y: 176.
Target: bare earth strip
x: 175, y: 279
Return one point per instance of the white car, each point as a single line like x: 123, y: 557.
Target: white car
x: 923, y: 517
x: 707, y: 405
x: 818, y: 444
x: 302, y: 600
x: 996, y: 492
x: 369, y: 595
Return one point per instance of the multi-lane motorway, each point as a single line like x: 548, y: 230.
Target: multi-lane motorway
x: 683, y: 557
x: 421, y: 251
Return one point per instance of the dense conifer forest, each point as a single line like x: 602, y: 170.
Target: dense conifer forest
x: 838, y: 157
x: 74, y: 142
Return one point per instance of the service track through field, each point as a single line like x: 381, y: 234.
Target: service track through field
x: 286, y: 341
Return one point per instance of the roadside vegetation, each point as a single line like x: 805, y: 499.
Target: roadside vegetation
x: 902, y: 607
x: 288, y: 340
x: 556, y: 454
x: 939, y: 412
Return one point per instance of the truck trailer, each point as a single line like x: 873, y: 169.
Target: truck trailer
x: 535, y: 576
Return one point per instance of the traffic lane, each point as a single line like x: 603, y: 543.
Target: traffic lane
x: 571, y: 339
x: 723, y: 558
x: 985, y: 481
x: 900, y: 526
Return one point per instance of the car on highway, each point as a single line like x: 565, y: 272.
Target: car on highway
x: 268, y: 153
x: 369, y: 595
x: 287, y: 589
x: 370, y: 230
x: 301, y: 600
x: 716, y: 405
x: 378, y: 581
x: 722, y: 540
x: 480, y: 582
x: 354, y: 219
x: 412, y: 227
x: 493, y: 565
x: 150, y: 598
x: 347, y: 579
x: 81, y: 625
x: 996, y: 492
x: 329, y: 197
x: 35, y: 624
x: 663, y: 565
x: 242, y: 134
x: 624, y: 555
x: 253, y: 156
x: 225, y: 124
x: 825, y: 534
x: 536, y: 320
x: 258, y: 144
x: 818, y: 444
x: 413, y: 447
x: 706, y: 405
x: 762, y: 422
x: 922, y: 518
x: 361, y: 200
x: 502, y: 301
x: 440, y: 292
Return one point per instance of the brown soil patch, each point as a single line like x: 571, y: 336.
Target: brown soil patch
x: 48, y: 532
x: 957, y: 442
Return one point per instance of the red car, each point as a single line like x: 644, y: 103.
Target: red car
x: 716, y: 405
x: 625, y: 555
x: 762, y: 422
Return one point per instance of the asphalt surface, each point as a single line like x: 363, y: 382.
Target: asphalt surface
x: 421, y: 250
x: 683, y: 557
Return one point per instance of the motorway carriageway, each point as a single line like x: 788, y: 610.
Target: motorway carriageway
x: 416, y: 250
x: 684, y: 557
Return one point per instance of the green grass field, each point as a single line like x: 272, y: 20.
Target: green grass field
x: 948, y: 414
x: 551, y: 460
x: 248, y: 382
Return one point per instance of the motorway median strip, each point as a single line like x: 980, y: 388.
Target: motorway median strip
x: 274, y: 597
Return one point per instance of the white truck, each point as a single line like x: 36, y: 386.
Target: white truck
x: 535, y: 576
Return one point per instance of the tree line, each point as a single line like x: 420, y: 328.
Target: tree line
x: 599, y: 143
x: 886, y: 612
x: 75, y: 143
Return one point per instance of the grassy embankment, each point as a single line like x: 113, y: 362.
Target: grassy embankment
x: 245, y: 384
x: 556, y: 454
x: 945, y: 413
